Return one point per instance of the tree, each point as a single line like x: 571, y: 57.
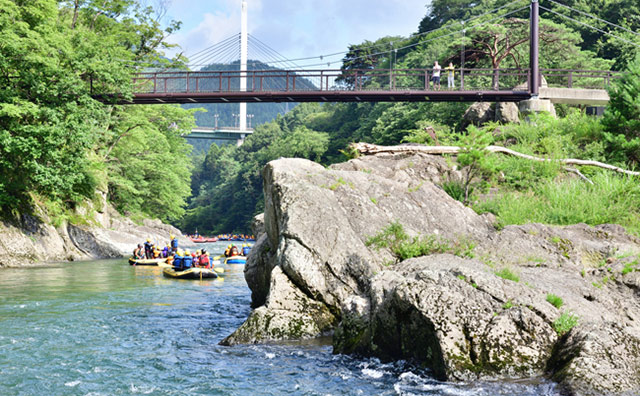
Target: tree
x: 509, y: 39
x: 54, y: 137
x: 363, y: 58
x: 622, y: 117
x: 148, y: 162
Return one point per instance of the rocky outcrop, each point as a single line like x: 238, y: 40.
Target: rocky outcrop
x: 32, y: 239
x: 480, y: 113
x: 483, y: 313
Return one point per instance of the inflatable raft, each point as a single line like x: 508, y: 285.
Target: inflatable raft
x: 191, y: 273
x: 156, y: 262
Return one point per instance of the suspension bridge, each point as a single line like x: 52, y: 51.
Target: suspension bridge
x: 313, y: 84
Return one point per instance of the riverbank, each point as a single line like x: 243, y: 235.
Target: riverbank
x: 31, y: 238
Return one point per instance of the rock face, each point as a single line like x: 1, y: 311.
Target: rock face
x: 485, y: 316
x: 480, y: 113
x: 32, y: 240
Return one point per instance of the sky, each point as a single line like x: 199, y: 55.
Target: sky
x: 294, y: 28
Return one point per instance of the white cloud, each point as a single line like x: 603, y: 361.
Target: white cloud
x: 298, y: 28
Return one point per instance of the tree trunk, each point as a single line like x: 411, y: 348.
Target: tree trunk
x: 372, y: 149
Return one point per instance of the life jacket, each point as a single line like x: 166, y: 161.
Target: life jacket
x: 187, y: 261
x: 204, y: 260
x: 178, y: 263
x: 147, y: 249
x: 174, y: 243
x: 246, y: 250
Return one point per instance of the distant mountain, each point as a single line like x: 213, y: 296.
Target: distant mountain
x: 262, y: 112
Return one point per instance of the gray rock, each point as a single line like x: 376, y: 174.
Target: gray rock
x: 287, y: 314
x: 478, y: 114
x: 466, y: 319
x: 507, y: 112
x: 33, y: 240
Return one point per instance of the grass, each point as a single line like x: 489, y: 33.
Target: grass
x: 629, y: 267
x: 337, y: 184
x: 455, y: 189
x: 375, y: 201
x: 404, y: 247
x: 611, y: 199
x: 554, y: 300
x: 416, y: 188
x: 507, y: 274
x: 565, y: 323
x: 507, y: 305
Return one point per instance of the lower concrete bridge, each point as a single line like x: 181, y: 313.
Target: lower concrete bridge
x: 228, y: 134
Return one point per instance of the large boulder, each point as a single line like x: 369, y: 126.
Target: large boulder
x: 484, y: 313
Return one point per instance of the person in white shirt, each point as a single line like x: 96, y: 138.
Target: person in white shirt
x: 436, y: 75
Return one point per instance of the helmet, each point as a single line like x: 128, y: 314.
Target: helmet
x: 148, y: 239
x: 187, y: 252
x: 172, y: 236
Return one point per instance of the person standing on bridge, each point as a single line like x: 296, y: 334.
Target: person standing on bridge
x: 450, y: 75
x: 436, y: 75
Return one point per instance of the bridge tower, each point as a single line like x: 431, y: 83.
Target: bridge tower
x: 243, y: 64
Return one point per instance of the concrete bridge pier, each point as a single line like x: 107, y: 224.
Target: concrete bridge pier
x: 536, y: 105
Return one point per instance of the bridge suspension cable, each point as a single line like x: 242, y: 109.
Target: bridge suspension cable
x: 322, y: 56
x: 433, y: 38
x: 589, y: 26
x: 595, y: 17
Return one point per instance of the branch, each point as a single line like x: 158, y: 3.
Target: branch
x: 577, y: 172
x: 373, y: 149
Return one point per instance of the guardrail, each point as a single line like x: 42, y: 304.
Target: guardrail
x: 186, y: 82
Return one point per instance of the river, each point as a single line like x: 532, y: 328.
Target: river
x: 106, y: 328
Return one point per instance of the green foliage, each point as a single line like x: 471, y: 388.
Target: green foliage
x: 227, y: 187
x: 507, y: 274
x: 630, y: 267
x: 622, y: 118
x: 564, y: 323
x: 554, y: 300
x: 456, y: 189
x: 473, y: 157
x: 148, y: 161
x: 507, y: 305
x: 56, y: 142
x: 611, y: 199
x: 404, y: 247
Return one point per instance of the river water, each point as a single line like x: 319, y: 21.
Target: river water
x: 107, y: 328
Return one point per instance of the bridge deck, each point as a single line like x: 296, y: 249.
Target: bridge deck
x: 402, y: 85
x: 328, y: 96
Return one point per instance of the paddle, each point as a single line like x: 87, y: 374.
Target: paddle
x: 218, y: 270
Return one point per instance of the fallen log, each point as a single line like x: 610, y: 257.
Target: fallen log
x: 373, y: 149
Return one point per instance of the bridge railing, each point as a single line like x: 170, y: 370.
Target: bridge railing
x: 593, y: 79
x: 361, y: 80
x: 326, y: 80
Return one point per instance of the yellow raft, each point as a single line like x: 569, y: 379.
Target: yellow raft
x: 191, y: 273
x: 157, y: 261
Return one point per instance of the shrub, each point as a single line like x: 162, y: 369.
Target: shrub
x: 554, y: 300
x: 565, y: 323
